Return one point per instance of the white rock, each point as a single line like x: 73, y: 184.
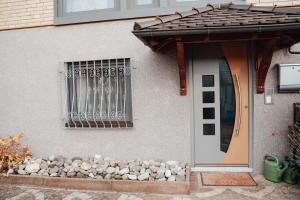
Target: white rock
x: 76, y: 163
x: 124, y: 171
x: 125, y: 177
x: 22, y: 166
x: 144, y: 176
x: 168, y: 173
x: 132, y: 177
x: 107, y: 177
x: 91, y: 175
x: 146, y: 163
x: 21, y: 172
x: 172, y: 163
x: 85, y: 166
x: 100, y: 170
x: 175, y: 170
x: 53, y: 170
x: 32, y: 168
x: 117, y: 169
x: 107, y: 159
x: 97, y: 157
x: 53, y: 175
x: 143, y: 170
x: 51, y: 158
x: 94, y: 166
x: 110, y: 170
x: 160, y: 174
x: 38, y: 161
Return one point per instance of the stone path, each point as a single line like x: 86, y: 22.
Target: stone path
x: 265, y: 190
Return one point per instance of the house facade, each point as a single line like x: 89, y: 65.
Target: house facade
x: 77, y: 80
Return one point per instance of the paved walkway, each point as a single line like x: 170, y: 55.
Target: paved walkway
x: 264, y: 190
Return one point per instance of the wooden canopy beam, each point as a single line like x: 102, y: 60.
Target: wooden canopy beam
x: 266, y: 44
x: 182, y: 66
x: 264, y: 52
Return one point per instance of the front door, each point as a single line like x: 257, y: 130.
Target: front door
x: 220, y: 82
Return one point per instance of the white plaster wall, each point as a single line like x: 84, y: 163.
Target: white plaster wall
x: 31, y: 100
x: 271, y: 121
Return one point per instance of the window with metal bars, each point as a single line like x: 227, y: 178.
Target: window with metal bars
x: 98, y: 94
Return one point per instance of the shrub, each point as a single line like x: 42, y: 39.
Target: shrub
x: 12, y: 153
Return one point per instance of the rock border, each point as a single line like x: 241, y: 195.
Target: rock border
x: 105, y: 185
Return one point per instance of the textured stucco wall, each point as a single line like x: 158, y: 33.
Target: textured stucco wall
x: 30, y: 101
x: 271, y: 121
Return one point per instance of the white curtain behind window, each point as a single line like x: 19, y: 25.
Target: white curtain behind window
x: 86, y: 5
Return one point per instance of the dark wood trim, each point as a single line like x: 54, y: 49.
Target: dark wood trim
x: 182, y: 66
x: 265, y: 44
x: 264, y: 53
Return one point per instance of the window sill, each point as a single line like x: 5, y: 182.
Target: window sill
x: 104, y: 124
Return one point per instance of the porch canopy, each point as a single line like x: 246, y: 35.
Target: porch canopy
x: 270, y: 28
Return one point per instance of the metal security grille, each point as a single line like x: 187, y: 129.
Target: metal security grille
x: 98, y: 94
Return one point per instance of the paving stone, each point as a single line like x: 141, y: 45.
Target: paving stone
x: 265, y: 191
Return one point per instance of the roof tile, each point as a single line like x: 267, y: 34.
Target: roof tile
x: 230, y: 15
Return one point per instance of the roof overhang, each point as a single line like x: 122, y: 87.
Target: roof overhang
x: 266, y: 36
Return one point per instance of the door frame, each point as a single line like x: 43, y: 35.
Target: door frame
x: 251, y: 73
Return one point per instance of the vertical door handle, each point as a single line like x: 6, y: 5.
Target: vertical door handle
x: 237, y: 130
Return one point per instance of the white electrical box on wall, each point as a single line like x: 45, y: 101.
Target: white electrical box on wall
x: 289, y: 77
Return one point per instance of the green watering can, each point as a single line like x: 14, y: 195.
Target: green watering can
x: 291, y: 175
x: 274, y: 169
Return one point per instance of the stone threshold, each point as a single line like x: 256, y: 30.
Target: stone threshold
x: 182, y: 187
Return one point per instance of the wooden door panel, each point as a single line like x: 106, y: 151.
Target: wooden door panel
x: 237, y: 57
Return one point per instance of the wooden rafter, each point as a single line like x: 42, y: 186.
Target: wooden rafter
x: 266, y: 44
x: 182, y: 66
x: 264, y: 52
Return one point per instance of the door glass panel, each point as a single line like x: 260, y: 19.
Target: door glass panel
x: 227, y: 104
x: 208, y: 129
x: 208, y: 81
x: 208, y: 113
x: 208, y: 97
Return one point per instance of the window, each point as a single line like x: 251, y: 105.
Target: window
x: 77, y: 11
x: 144, y: 2
x: 185, y: 0
x: 98, y: 93
x: 86, y: 5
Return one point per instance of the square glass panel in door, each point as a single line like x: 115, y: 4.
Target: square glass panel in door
x: 208, y: 113
x: 208, y: 81
x: 209, y: 129
x: 208, y: 97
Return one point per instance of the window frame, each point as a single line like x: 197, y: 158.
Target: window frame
x: 69, y: 88
x: 124, y: 9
